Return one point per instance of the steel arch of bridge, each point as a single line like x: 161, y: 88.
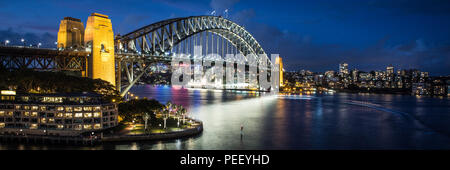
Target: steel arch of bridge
x: 156, y: 41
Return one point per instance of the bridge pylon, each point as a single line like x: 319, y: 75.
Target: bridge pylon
x: 99, y: 37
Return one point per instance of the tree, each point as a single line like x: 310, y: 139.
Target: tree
x: 30, y: 81
x: 146, y: 117
x: 137, y: 107
x: 183, y: 112
x: 165, y: 116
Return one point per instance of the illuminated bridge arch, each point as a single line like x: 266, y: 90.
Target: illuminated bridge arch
x: 160, y: 41
x: 161, y: 37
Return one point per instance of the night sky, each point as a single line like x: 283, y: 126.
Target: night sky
x: 313, y: 35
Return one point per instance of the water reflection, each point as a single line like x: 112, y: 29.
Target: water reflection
x: 299, y: 122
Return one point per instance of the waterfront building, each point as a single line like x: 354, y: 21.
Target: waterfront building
x: 390, y: 70
x: 365, y: 76
x: 390, y: 73
x: 355, y: 75
x: 55, y: 114
x: 329, y: 74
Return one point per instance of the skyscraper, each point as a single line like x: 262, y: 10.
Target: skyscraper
x: 343, y: 69
x: 355, y: 75
x: 389, y: 70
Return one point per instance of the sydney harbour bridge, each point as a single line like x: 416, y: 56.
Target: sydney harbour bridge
x: 123, y: 59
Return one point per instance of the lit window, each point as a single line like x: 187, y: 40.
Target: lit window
x: 43, y: 108
x: 10, y: 113
x: 17, y: 107
x: 51, y: 120
x: 87, y: 108
x: 87, y: 127
x: 97, y: 126
x: 26, y: 113
x: 68, y: 109
x: 2, y: 113
x: 77, y: 127
x: 34, y: 107
x: 43, y: 120
x: 78, y: 114
x: 33, y: 126
x: 26, y: 107
x: 59, y: 114
x: 2, y: 125
x: 87, y: 114
x: 68, y: 115
x: 52, y: 99
x: 60, y: 108
x: 60, y: 126
x: 34, y: 114
x: 97, y: 108
x: 25, y: 98
x: 77, y: 109
x: 97, y: 114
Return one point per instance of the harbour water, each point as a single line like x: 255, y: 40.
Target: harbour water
x: 338, y: 121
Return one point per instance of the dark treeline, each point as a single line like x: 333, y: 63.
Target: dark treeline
x: 137, y: 108
x: 45, y: 82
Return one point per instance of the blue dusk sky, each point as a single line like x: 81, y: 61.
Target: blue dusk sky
x: 314, y: 35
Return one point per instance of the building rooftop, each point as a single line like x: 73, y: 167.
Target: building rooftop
x: 72, y: 19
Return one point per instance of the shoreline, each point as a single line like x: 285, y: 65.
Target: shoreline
x: 85, y: 141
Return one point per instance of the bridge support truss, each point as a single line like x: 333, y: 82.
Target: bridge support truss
x: 12, y: 58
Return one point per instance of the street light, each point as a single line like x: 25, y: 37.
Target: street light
x: 39, y: 45
x: 6, y: 42
x: 23, y: 41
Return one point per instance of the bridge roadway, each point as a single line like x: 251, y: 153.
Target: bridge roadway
x: 20, y: 57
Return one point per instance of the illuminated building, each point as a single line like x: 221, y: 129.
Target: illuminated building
x: 71, y: 33
x: 280, y: 62
x: 355, y: 75
x: 55, y: 114
x: 389, y: 70
x: 99, y: 36
x: 329, y: 74
x: 343, y: 69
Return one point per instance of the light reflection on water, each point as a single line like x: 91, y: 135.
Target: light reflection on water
x: 299, y: 122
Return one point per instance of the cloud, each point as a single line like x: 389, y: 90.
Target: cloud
x: 47, y: 39
x: 243, y: 17
x: 136, y: 21
x: 185, y: 5
x: 38, y: 27
x: 303, y: 53
x: 428, y: 7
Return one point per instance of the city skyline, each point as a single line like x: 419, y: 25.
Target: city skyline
x: 317, y: 36
x: 350, y: 68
